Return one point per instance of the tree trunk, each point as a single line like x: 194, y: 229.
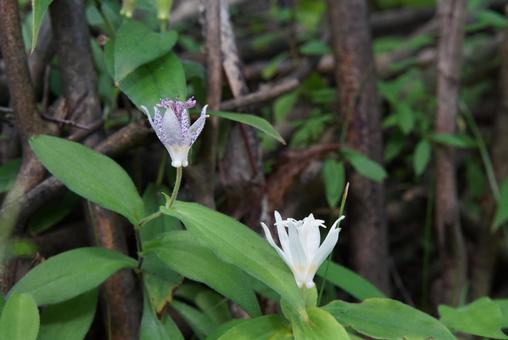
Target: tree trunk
x: 356, y: 82
x: 449, y: 235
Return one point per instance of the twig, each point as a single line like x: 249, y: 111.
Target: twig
x: 261, y: 96
x: 64, y: 121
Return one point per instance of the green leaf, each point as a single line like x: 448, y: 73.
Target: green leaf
x: 283, y: 105
x: 161, y: 78
x: 363, y: 165
x: 482, y: 317
x: 501, y: 215
x: 458, y: 141
x: 8, y: 173
x: 71, y: 273
x: 20, y: 318
x: 69, y: 320
x: 273, y: 327
x: 334, y: 177
x: 39, y: 8
x: 89, y: 174
x: 200, y: 323
x: 214, y: 305
x: 388, y: 319
x: 348, y: 280
x: 237, y: 244
x: 421, y: 156
x: 153, y: 329
x: 136, y: 45
x: 489, y: 18
x: 405, y: 117
x: 257, y: 122
x: 314, y: 47
x: 181, y: 252
x: 319, y: 325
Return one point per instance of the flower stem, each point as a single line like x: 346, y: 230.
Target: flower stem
x: 176, y: 188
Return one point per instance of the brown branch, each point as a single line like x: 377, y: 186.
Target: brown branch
x: 450, y: 239
x: 356, y: 85
x: 200, y: 175
x: 79, y: 81
x: 261, y: 96
x: 240, y: 169
x: 28, y: 121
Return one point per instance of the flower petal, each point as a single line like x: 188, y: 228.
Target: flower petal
x: 283, y: 235
x: 328, y: 244
x: 270, y: 240
x: 198, y: 126
x: 297, y: 253
x: 171, y: 128
x: 310, y: 236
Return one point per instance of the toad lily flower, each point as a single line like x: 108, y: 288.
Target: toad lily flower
x: 300, y: 245
x: 171, y: 123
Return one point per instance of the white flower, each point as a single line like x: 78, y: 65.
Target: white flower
x: 300, y: 245
x: 173, y: 127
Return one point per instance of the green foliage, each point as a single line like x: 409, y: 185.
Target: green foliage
x: 272, y: 327
x: 161, y: 78
x: 39, y: 8
x: 482, y: 317
x: 136, y: 45
x: 180, y: 251
x: 20, y: 318
x: 363, y: 165
x: 421, y: 156
x: 458, y: 141
x: 257, y: 122
x: 348, y: 280
x: 501, y: 215
x: 283, y: 105
x: 154, y: 329
x: 71, y: 273
x: 388, y: 319
x: 90, y: 174
x: 159, y: 279
x: 314, y: 47
x: 69, y: 320
x: 334, y: 178
x: 200, y: 323
x: 8, y: 173
x: 237, y: 244
x: 320, y: 324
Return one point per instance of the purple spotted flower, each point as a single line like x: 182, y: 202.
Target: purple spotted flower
x: 171, y: 123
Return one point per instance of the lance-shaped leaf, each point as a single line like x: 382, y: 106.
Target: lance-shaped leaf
x: 71, y: 273
x: 90, y: 174
x: 20, y: 318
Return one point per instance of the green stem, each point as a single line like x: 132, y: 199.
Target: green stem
x: 341, y: 212
x: 487, y: 162
x: 149, y: 218
x: 176, y: 188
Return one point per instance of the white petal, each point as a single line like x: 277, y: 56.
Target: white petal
x: 178, y: 154
x: 327, y: 247
x: 310, y: 236
x: 171, y: 127
x: 197, y: 126
x: 270, y: 240
x: 297, y: 253
x: 147, y: 113
x: 309, y: 284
